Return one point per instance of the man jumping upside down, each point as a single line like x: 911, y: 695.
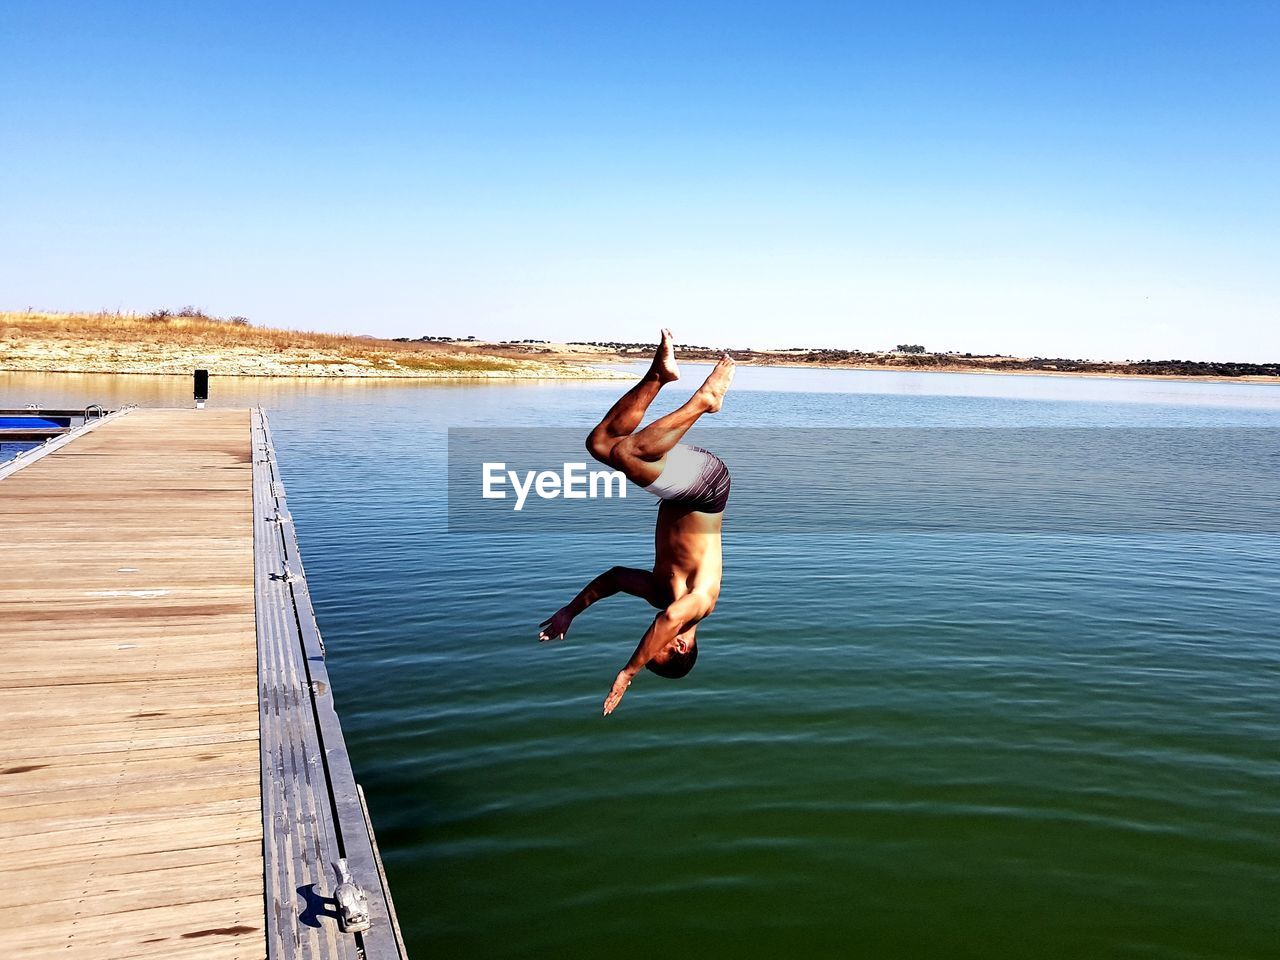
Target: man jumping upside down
x: 692, y: 486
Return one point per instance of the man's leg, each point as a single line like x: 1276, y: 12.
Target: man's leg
x: 625, y: 415
x: 640, y: 456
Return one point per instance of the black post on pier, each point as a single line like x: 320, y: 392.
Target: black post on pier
x: 202, y: 388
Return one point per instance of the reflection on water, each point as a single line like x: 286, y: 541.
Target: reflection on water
x: 1011, y: 386
x: 920, y: 745
x: 79, y: 389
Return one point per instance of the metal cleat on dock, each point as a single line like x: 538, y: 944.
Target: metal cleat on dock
x: 286, y: 575
x: 352, y: 902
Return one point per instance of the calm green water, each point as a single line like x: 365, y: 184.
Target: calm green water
x: 892, y: 747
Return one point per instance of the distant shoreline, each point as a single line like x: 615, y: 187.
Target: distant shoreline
x: 168, y: 344
x: 584, y: 370
x: 547, y: 372
x: 989, y: 372
x: 174, y: 344
x: 987, y: 366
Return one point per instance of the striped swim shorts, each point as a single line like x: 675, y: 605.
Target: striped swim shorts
x: 693, y: 478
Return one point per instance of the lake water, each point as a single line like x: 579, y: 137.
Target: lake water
x: 893, y: 746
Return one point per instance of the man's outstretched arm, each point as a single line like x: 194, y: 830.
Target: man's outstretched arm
x: 638, y: 583
x: 666, y: 626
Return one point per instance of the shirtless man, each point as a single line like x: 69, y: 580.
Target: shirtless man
x: 692, y: 486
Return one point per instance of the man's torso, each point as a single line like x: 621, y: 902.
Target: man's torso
x: 687, y: 556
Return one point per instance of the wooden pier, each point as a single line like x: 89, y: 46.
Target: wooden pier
x: 173, y: 777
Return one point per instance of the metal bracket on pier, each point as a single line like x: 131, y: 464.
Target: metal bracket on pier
x: 351, y: 900
x: 287, y: 575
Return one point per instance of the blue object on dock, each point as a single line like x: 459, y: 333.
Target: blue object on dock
x: 34, y: 423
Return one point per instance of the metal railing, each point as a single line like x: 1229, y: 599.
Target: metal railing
x: 27, y: 457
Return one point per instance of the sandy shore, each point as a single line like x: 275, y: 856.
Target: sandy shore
x: 998, y: 367
x: 105, y: 356
x: 995, y: 372
x: 101, y: 356
x: 176, y: 344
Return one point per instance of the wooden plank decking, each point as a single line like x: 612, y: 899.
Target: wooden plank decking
x: 152, y: 612
x: 130, y: 811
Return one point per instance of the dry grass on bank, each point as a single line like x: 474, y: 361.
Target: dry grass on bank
x: 186, y: 328
x: 165, y: 342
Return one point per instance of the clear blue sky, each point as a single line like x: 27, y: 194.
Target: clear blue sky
x: 1084, y: 179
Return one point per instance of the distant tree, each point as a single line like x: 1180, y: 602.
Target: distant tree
x: 909, y: 348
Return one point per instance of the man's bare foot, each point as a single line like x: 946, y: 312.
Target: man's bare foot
x: 712, y: 392
x: 664, y: 360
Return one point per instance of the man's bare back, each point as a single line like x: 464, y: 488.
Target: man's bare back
x: 693, y: 487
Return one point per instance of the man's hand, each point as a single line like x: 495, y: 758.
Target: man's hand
x: 556, y: 625
x: 620, y: 684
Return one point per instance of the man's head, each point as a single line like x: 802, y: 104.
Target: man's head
x: 677, y: 659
